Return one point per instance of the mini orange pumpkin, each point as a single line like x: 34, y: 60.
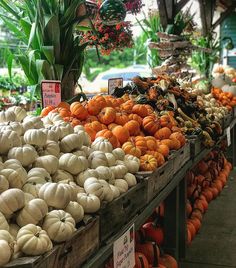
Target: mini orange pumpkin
x: 151, y: 143
x: 109, y: 136
x: 166, y: 121
x: 64, y: 112
x: 163, y: 149
x: 151, y: 124
x: 91, y: 119
x: 136, y: 118
x: 121, y: 133
x: 90, y: 131
x: 178, y: 136
x: 121, y: 118
x: 112, y: 125
x: 163, y: 133
x: 130, y: 148
x: 148, y: 163
x: 74, y: 121
x: 159, y: 157
x: 133, y: 127
x: 140, y: 110
x: 127, y: 106
x: 100, y: 101
x: 78, y: 110
x: 141, y: 143
x: 95, y: 125
x: 64, y: 105
x: 46, y: 110
x: 94, y: 107
x: 175, y: 144
x: 107, y: 115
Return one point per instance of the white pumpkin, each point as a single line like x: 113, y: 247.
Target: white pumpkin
x: 80, y: 153
x: 110, y: 159
x: 71, y: 142
x: 131, y: 157
x: 6, y: 116
x: 11, y: 200
x: 115, y: 190
x: 71, y: 163
x: 13, y: 230
x: 90, y: 203
x: 105, y: 173
x: 102, y: 144
x: 33, y: 212
x: 4, y: 184
x: 3, y: 223
x: 75, y: 210
x: 107, y: 191
x: 78, y: 128
x: 119, y: 171
x: 17, y: 127
x: 229, y: 88
x: 33, y: 241
x: 62, y: 175
x: 83, y: 176
x: 35, y: 137
x: 84, y: 136
x: 122, y: 185
x: 52, y: 118
x: 19, y: 112
x: 51, y: 148
x: 63, y: 129
x: 132, y: 165
x: 26, y: 125
x: 55, y: 195
x: 5, y: 252
x: 59, y: 225
x: 52, y: 135
x: 36, y: 120
x: 48, y: 162
x: 5, y: 143
x: 32, y: 188
x: 5, y: 235
x: 16, y: 179
x: 87, y: 150
x: 93, y: 186
x: 38, y: 175
x: 119, y: 154
x: 26, y: 154
x: 97, y: 158
x: 28, y: 197
x: 130, y: 179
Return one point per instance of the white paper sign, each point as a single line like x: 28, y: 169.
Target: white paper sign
x: 51, y: 92
x: 228, y: 136
x: 124, y: 251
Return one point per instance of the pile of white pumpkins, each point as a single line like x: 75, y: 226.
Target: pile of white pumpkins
x: 50, y: 175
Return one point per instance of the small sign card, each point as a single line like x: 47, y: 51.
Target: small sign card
x: 228, y: 136
x: 114, y: 83
x: 124, y: 251
x: 51, y: 92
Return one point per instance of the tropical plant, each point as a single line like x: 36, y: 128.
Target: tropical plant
x: 46, y: 29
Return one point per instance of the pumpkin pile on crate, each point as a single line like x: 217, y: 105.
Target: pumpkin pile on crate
x: 135, y: 128
x: 51, y: 174
x: 205, y: 182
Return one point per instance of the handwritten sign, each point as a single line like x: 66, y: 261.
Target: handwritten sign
x: 51, y: 92
x: 114, y: 83
x: 124, y: 251
x: 228, y: 134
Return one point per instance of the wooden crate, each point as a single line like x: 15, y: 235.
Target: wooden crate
x: 82, y: 245
x: 159, y: 179
x: 47, y: 260
x: 196, y: 145
x: 227, y: 120
x: 114, y: 215
x: 181, y: 157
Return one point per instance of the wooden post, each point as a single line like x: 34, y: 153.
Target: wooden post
x: 207, y: 8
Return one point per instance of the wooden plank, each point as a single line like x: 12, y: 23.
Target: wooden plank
x: 163, y: 13
x: 180, y: 5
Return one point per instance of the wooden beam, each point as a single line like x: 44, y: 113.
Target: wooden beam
x: 170, y: 9
x: 224, y: 15
x: 180, y: 5
x: 203, y: 16
x: 163, y: 12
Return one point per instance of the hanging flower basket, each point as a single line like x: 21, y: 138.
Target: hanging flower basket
x: 133, y: 6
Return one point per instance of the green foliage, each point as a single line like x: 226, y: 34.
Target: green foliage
x: 17, y: 81
x: 46, y: 28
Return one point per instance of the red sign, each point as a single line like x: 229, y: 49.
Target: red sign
x: 51, y: 93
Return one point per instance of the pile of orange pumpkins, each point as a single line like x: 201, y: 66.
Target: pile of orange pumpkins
x: 205, y: 182
x: 136, y: 128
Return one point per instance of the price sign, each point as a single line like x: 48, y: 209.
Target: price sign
x: 114, y: 83
x: 123, y: 250
x: 228, y: 134
x: 51, y: 93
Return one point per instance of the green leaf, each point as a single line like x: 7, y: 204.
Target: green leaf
x: 58, y: 69
x: 9, y: 63
x: 32, y: 34
x: 31, y: 74
x: 44, y: 70
x: 48, y: 52
x: 26, y: 26
x: 9, y: 8
x: 13, y: 28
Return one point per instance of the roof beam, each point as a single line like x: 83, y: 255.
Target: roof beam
x: 224, y: 15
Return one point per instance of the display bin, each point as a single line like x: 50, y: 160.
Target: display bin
x: 114, y: 215
x: 196, y: 145
x: 228, y: 119
x: 48, y: 260
x: 180, y: 157
x: 81, y: 246
x: 234, y: 112
x: 158, y: 179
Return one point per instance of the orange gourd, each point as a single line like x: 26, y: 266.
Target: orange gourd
x: 178, y: 136
x: 121, y: 133
x: 151, y: 124
x: 64, y: 105
x: 127, y: 106
x: 121, y: 118
x: 78, y: 110
x: 141, y: 143
x: 94, y: 107
x: 107, y: 115
x: 136, y: 118
x: 64, y: 112
x: 148, y: 163
x: 168, y: 261
x: 130, y: 148
x: 140, y: 110
x: 151, y: 143
x: 90, y: 131
x: 46, y: 110
x: 163, y: 133
x: 159, y: 157
x: 133, y: 127
x: 109, y: 136
x: 163, y: 149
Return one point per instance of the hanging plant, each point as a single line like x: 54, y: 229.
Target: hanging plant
x: 110, y: 38
x: 133, y: 6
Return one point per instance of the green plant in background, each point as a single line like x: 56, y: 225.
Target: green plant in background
x: 46, y: 28
x: 203, y: 61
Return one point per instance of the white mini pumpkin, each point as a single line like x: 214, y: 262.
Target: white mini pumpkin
x: 110, y: 159
x: 119, y: 171
x: 90, y: 203
x: 115, y: 190
x: 83, y: 176
x: 6, y: 116
x: 132, y: 165
x: 97, y: 158
x: 80, y: 153
x: 5, y: 252
x: 93, y: 186
x: 63, y: 129
x: 33, y: 241
x: 105, y: 173
x: 4, y: 184
x: 87, y: 150
x: 102, y: 144
x: 71, y: 142
x: 36, y: 120
x: 48, y: 162
x: 55, y: 195
x: 33, y: 212
x: 32, y: 188
x: 130, y: 179
x: 75, y: 210
x: 119, y: 154
x: 59, y: 225
x: 107, y: 191
x: 26, y: 154
x: 15, y: 178
x: 51, y: 148
x: 5, y: 143
x: 19, y: 112
x: 28, y: 197
x: 3, y: 223
x: 38, y: 176
x: 122, y: 185
x: 71, y: 163
x: 62, y: 175
x: 14, y: 229
x: 35, y: 137
x: 52, y: 135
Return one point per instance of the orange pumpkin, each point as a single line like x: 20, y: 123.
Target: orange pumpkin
x: 63, y: 112
x: 140, y: 142
x: 148, y: 163
x: 149, y: 108
x: 136, y: 118
x: 163, y: 149
x: 178, y: 136
x: 46, y: 110
x: 133, y: 127
x: 141, y: 261
x: 64, y: 105
x: 166, y: 121
x: 94, y: 107
x: 130, y: 148
x: 107, y: 115
x: 95, y: 125
x: 90, y: 131
x: 127, y: 106
x: 90, y: 119
x: 121, y: 118
x: 168, y: 261
x: 151, y: 124
x: 100, y: 101
x: 163, y: 133
x: 78, y: 110
x: 121, y: 133
x: 74, y: 121
x: 140, y: 110
x: 159, y: 157
x: 151, y: 251
x: 109, y: 136
x: 112, y: 125
x: 151, y: 143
